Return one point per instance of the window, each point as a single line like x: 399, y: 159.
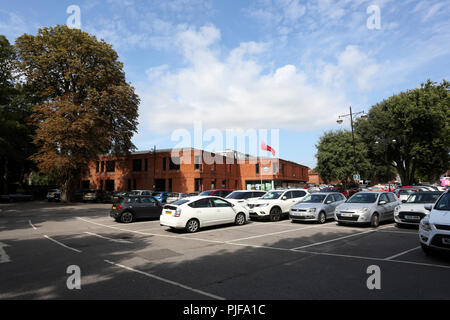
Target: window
x: 109, y: 185
x: 203, y: 203
x: 213, y: 184
x: 132, y: 200
x: 170, y: 185
x: 101, y: 184
x: 197, y: 162
x: 257, y: 194
x: 137, y: 165
x: 102, y: 166
x: 110, y: 166
x: 298, y: 194
x: 164, y: 164
x: 134, y: 184
x: 174, y: 163
x: 129, y: 184
x: 147, y: 200
x: 224, y: 183
x: 257, y: 168
x: 97, y: 166
x: 275, y: 167
x: 288, y: 195
x: 197, y: 185
x: 391, y: 197
x: 383, y: 197
x: 282, y: 168
x: 146, y: 164
x: 221, y: 203
x: 443, y: 203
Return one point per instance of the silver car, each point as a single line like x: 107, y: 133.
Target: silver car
x: 367, y: 208
x: 318, y: 206
x: 412, y: 210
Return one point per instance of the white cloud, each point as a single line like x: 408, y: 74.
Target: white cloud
x: 233, y: 92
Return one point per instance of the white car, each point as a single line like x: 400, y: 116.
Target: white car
x: 194, y: 213
x: 242, y: 197
x: 434, y: 229
x: 412, y: 210
x: 275, y: 204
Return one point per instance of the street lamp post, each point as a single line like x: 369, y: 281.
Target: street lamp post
x: 351, y: 115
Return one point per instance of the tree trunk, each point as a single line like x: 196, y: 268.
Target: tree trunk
x: 67, y: 190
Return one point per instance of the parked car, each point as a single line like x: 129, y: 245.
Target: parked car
x: 131, y: 208
x: 434, y: 229
x: 54, y: 195
x: 274, y: 205
x: 367, y: 208
x: 194, y: 213
x: 316, y: 207
x: 174, y: 196
x: 94, y: 196
x: 15, y: 197
x: 412, y: 210
x: 217, y: 192
x: 161, y: 196
x: 117, y: 195
x: 242, y: 197
x: 79, y: 194
x: 403, y: 193
x: 140, y: 193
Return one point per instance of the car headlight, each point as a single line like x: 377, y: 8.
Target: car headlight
x: 312, y: 210
x: 364, y: 210
x: 262, y: 205
x: 336, y: 211
x: 397, y: 208
x: 425, y: 224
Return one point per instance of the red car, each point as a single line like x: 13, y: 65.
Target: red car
x: 217, y: 192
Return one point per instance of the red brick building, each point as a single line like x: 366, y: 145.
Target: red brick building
x: 192, y: 170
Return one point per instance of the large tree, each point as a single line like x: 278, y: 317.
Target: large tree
x: 413, y: 127
x: 15, y: 142
x: 83, y: 105
x: 335, y: 157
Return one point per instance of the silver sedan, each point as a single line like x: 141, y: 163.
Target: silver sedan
x: 318, y: 206
x: 367, y: 208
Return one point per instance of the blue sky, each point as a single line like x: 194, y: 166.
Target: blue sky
x: 290, y: 65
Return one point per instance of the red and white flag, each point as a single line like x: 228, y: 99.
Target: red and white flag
x: 265, y: 147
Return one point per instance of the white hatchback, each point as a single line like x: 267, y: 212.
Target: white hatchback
x: 434, y: 229
x: 194, y: 213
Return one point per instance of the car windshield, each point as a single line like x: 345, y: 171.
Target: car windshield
x: 363, y: 198
x: 206, y: 193
x: 443, y: 203
x: 314, y: 198
x: 272, y: 195
x: 423, y: 198
x: 236, y: 195
x: 179, y: 202
x: 407, y: 191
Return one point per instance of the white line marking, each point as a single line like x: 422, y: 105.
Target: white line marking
x: 29, y: 221
x: 210, y: 295
x: 332, y: 240
x: 110, y: 239
x: 281, y: 249
x: 61, y: 244
x: 4, y: 258
x: 401, y: 253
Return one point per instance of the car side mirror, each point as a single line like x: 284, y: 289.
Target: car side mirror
x: 284, y: 198
x: 328, y: 202
x: 403, y: 201
x: 382, y: 202
x: 428, y: 207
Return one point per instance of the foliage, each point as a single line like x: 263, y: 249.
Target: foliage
x: 83, y: 105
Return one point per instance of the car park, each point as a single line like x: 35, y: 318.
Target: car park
x: 217, y: 192
x: 53, y: 195
x: 367, y: 208
x: 131, y: 208
x: 242, y: 197
x: 434, y: 229
x: 194, y: 213
x: 412, y: 210
x: 274, y: 205
x: 316, y: 207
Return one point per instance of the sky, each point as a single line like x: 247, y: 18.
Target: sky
x: 283, y: 69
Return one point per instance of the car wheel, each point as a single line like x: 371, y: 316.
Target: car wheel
x: 275, y: 214
x: 192, y: 226
x: 322, y: 218
x: 126, y: 217
x: 375, y: 220
x: 240, y: 219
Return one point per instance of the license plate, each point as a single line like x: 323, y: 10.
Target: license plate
x: 344, y: 214
x: 294, y: 213
x: 168, y: 212
x: 412, y: 217
x: 446, y: 240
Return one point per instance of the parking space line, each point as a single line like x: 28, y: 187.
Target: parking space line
x: 207, y: 294
x: 273, y: 233
x: 401, y: 253
x: 109, y: 239
x: 282, y: 249
x: 62, y: 244
x: 29, y: 221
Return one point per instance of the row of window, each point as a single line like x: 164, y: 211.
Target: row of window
x: 105, y: 166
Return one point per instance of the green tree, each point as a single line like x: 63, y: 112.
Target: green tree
x: 335, y: 160
x: 413, y: 127
x: 83, y: 105
x: 15, y: 142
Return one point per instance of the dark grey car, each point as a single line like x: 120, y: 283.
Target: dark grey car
x: 132, y: 208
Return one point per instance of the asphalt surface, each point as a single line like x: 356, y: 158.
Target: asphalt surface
x: 260, y: 260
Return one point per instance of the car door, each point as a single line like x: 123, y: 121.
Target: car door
x: 383, y: 209
x: 329, y: 205
x: 204, y: 211
x: 224, y: 211
x: 286, y: 201
x: 150, y: 207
